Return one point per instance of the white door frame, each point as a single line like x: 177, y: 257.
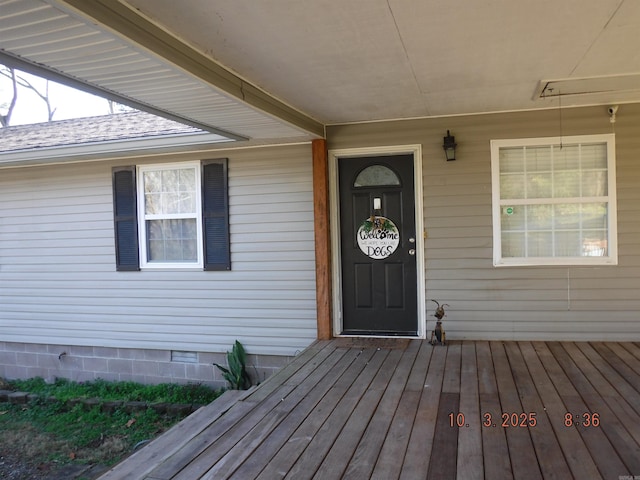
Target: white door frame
x: 334, y: 198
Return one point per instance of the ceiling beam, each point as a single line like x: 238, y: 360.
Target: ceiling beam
x: 131, y: 24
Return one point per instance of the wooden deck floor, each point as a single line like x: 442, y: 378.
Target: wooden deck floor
x: 385, y: 411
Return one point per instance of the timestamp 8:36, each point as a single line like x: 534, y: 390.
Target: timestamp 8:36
x: 586, y: 419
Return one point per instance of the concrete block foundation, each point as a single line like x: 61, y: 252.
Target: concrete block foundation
x: 85, y: 363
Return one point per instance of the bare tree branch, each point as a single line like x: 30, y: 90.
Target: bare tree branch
x: 5, y: 120
x: 50, y: 112
x: 19, y: 82
x: 23, y: 82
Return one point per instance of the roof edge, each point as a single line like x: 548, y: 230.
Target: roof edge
x: 71, y: 153
x: 134, y: 26
x: 25, y: 65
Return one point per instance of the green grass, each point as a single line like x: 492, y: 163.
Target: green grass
x: 52, y: 433
x: 48, y: 433
x: 111, y: 391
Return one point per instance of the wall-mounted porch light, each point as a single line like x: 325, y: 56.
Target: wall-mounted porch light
x: 449, y: 146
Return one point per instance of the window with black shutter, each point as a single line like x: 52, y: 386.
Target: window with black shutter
x: 125, y: 218
x: 215, y: 215
x: 172, y: 216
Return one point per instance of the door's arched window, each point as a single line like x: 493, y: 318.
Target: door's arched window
x: 376, y: 176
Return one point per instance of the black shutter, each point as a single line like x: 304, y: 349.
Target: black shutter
x: 125, y: 218
x: 215, y: 215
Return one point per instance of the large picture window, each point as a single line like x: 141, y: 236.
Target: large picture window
x: 554, y: 201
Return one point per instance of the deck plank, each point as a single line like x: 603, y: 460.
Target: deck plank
x: 171, y: 464
x: 264, y: 407
x: 294, y: 407
x: 558, y: 366
x: 395, y: 443
x: 470, y: 463
x: 313, y: 354
x: 283, y: 460
x: 625, y: 355
x: 143, y: 461
x: 342, y: 452
x: 368, y: 450
x: 523, y: 460
x: 615, y: 368
x: 571, y: 443
x: 633, y: 349
x: 623, y: 398
x: 254, y: 463
x: 419, y: 370
x: 381, y: 410
x: 222, y: 443
x: 451, y: 378
x: 443, y: 461
x: 596, y: 391
x: 313, y: 456
x: 417, y: 457
x: 542, y: 435
x: 389, y: 463
x: 211, y: 446
x: 497, y: 463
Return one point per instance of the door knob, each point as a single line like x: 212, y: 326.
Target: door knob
x: 412, y: 251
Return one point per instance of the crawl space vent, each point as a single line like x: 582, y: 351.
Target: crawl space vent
x: 184, y: 357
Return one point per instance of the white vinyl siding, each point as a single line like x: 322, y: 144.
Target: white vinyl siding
x: 552, y: 302
x: 59, y: 284
x: 554, y: 201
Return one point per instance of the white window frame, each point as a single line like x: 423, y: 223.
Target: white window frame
x: 498, y: 204
x: 143, y: 217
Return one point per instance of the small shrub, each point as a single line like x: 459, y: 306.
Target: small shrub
x: 236, y: 374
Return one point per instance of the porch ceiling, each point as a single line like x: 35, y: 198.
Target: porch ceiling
x: 110, y: 50
x: 329, y: 62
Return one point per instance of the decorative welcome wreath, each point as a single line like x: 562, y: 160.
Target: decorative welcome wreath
x: 378, y: 223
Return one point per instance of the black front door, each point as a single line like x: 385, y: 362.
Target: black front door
x: 378, y: 242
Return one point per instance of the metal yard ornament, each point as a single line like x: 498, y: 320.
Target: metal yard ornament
x: 438, y: 337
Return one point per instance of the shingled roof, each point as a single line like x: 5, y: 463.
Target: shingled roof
x: 84, y: 131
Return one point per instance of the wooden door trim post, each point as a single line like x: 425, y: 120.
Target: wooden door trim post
x: 321, y: 216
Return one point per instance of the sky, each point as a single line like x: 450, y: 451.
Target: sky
x: 69, y: 102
